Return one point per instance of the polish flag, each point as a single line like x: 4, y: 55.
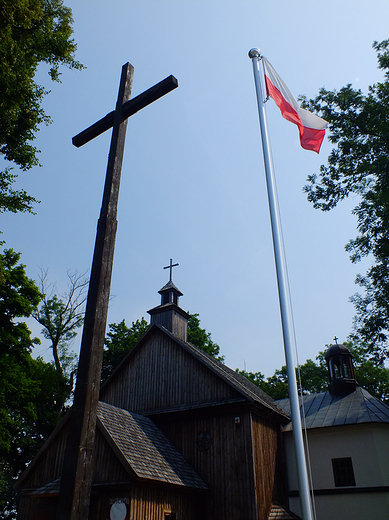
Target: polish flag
x: 311, y: 127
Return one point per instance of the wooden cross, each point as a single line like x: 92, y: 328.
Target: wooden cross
x: 170, y: 266
x: 76, y: 479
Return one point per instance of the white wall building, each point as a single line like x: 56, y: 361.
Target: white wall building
x: 348, y: 439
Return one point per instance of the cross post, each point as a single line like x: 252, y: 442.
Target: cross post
x: 76, y: 479
x: 170, y: 266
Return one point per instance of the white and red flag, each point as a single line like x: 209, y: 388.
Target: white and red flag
x: 311, y: 127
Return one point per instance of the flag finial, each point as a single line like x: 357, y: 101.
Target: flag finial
x: 254, y: 53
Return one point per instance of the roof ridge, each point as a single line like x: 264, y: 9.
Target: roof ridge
x: 241, y: 383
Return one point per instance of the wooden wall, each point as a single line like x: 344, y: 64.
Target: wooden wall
x: 45, y: 470
x: 226, y: 467
x: 37, y: 508
x: 270, y: 474
x: 162, y: 374
x: 239, y: 466
x: 48, y: 466
x: 145, y: 502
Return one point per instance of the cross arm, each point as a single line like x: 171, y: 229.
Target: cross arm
x: 128, y: 109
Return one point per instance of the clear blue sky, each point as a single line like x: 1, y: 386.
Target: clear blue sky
x: 193, y: 185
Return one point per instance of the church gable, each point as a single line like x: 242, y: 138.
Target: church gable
x: 162, y: 373
x: 143, y: 449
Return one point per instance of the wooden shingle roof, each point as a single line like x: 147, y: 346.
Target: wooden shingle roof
x: 281, y: 513
x: 143, y: 449
x: 324, y: 409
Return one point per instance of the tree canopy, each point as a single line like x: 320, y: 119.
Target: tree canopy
x: 60, y: 317
x: 119, y: 341
x: 314, y: 375
x: 18, y: 298
x: 201, y: 338
x: 32, y: 32
x: 359, y: 165
x: 28, y: 387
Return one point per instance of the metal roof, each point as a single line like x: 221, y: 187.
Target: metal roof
x: 324, y: 409
x: 144, y: 449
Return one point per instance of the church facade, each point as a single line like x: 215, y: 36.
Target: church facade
x: 179, y: 435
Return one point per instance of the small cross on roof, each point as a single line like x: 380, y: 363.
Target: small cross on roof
x: 170, y: 266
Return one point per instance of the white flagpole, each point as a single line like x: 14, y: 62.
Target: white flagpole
x: 286, y: 320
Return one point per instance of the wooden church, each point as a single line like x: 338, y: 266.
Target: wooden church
x: 179, y: 436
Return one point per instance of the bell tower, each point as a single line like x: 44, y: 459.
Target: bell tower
x: 340, y: 370
x: 168, y: 313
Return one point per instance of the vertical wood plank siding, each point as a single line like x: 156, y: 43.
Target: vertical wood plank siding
x: 173, y: 321
x: 48, y: 468
x: 149, y: 503
x: 107, y: 467
x: 268, y: 474
x: 161, y: 375
x: 226, y: 466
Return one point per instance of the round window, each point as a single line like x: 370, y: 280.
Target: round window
x: 203, y: 441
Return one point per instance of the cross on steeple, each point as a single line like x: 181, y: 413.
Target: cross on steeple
x: 170, y: 266
x: 336, y: 340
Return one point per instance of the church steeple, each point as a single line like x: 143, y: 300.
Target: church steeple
x: 340, y: 370
x: 168, y: 313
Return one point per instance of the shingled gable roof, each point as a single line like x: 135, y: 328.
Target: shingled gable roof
x: 324, y: 409
x: 143, y: 449
x: 241, y: 384
x: 279, y: 512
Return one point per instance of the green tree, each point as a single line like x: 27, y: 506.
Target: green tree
x: 119, y: 341
x: 13, y: 200
x: 27, y: 386
x: 19, y: 296
x: 275, y: 386
x: 359, y: 166
x: 32, y: 32
x: 60, y: 317
x: 201, y: 338
x: 28, y: 392
x: 314, y: 377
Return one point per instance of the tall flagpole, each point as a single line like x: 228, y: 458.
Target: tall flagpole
x: 286, y: 320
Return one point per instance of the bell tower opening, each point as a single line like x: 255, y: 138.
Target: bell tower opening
x: 340, y: 370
